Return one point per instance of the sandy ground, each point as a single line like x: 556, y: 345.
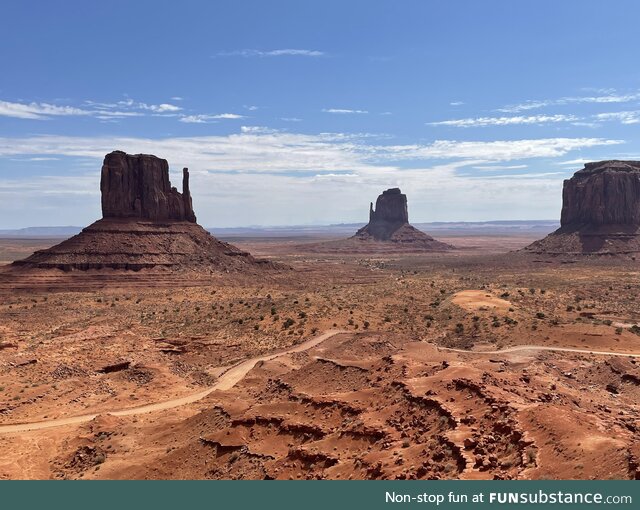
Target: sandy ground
x: 473, y: 365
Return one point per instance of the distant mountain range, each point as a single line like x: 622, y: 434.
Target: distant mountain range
x: 41, y: 232
x: 341, y: 229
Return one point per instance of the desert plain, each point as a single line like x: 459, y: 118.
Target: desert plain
x: 479, y: 363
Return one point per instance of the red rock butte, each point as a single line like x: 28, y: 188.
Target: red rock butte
x: 145, y: 223
x: 600, y: 213
x: 137, y: 186
x: 389, y: 223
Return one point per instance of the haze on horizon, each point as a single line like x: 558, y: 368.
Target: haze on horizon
x: 293, y: 113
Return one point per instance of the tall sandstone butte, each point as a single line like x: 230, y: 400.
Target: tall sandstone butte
x: 137, y: 186
x: 389, y: 223
x: 600, y: 212
x: 145, y: 223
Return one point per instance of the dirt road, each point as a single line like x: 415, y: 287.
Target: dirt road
x: 545, y: 348
x: 236, y: 373
x: 226, y: 381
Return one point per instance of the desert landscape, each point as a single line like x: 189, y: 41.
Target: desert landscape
x: 146, y: 348
x: 322, y: 240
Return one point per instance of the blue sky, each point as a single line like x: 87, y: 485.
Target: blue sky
x: 302, y: 112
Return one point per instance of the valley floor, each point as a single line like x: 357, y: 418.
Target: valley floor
x: 469, y: 365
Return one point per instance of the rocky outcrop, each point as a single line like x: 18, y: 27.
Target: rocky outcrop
x: 137, y: 186
x: 389, y: 215
x: 389, y: 223
x: 603, y: 193
x: 146, y: 224
x: 600, y: 212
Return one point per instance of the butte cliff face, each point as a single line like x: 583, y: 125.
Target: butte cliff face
x: 603, y: 193
x: 137, y: 186
x: 600, y: 212
x: 388, y: 216
x: 389, y: 223
x: 146, y: 224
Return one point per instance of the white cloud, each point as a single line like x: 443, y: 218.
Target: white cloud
x: 196, y: 119
x: 204, y: 118
x: 35, y: 159
x: 287, y: 52
x: 574, y: 162
x: 228, y: 116
x: 493, y: 151
x: 628, y: 117
x: 235, y: 177
x: 505, y: 121
x: 591, y: 125
x: 160, y: 108
x: 456, y: 103
x: 253, y: 150
x: 291, y: 119
x: 250, y: 107
x: 99, y: 110
x: 257, y: 130
x: 39, y: 111
x: 611, y: 97
x: 499, y: 168
x: 342, y: 110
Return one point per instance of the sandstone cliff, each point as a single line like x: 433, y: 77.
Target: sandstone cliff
x: 137, y: 186
x: 600, y: 213
x: 603, y: 193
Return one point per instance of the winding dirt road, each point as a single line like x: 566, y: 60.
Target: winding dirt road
x: 226, y: 381
x: 236, y: 373
x: 545, y: 348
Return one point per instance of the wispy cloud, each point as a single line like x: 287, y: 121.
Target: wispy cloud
x: 343, y: 110
x: 610, y: 97
x: 35, y: 159
x: 574, y: 162
x: 456, y: 103
x: 257, y: 130
x: 628, y: 117
x: 39, y: 111
x: 492, y: 151
x: 205, y: 118
x: 498, y: 168
x: 505, y: 121
x: 286, y: 52
x: 291, y: 151
x: 291, y: 119
x: 303, y: 169
x: 99, y: 110
x: 160, y: 108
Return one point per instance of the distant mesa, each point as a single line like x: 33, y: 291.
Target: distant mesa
x: 389, y: 223
x: 388, y: 231
x: 146, y: 223
x: 389, y: 215
x: 600, y: 213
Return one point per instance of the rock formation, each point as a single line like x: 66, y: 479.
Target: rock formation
x: 389, y: 223
x: 146, y: 224
x: 137, y: 186
x: 600, y: 212
x: 389, y: 215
